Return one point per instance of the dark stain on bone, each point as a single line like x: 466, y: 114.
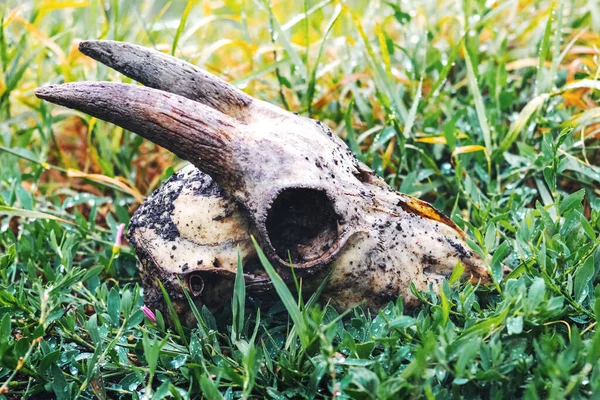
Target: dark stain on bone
x: 157, y: 211
x: 429, y: 262
x: 462, y: 252
x: 228, y: 210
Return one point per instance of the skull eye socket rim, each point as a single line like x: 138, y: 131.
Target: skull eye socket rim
x: 304, y: 222
x: 196, y: 284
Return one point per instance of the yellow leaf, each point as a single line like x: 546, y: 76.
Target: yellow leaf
x: 118, y: 182
x: 471, y: 149
x: 387, y: 156
x: 525, y: 62
x: 19, y: 212
x: 206, y: 8
x: 588, y: 117
x: 2, y: 82
x: 385, y: 55
x: 49, y: 43
x: 50, y: 5
x: 432, y: 140
x: 12, y: 15
x: 438, y: 139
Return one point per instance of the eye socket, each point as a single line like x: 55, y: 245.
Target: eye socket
x: 302, y: 221
x: 196, y: 284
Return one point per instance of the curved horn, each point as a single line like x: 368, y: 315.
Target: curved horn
x: 164, y: 72
x: 191, y: 130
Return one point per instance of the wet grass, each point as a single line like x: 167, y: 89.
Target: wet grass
x: 489, y: 110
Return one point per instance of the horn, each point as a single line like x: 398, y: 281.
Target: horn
x: 193, y: 131
x: 167, y: 73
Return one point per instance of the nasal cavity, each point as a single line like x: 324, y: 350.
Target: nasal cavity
x: 303, y: 222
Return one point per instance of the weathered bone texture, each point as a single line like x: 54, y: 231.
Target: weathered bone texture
x: 173, y: 75
x: 169, y: 120
x: 262, y: 171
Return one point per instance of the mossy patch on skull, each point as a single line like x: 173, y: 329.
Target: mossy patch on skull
x: 303, y: 222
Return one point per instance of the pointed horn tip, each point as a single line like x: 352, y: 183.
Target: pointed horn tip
x: 46, y: 92
x: 85, y: 45
x: 92, y: 48
x: 59, y: 93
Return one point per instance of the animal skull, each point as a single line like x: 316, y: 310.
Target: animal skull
x: 265, y: 172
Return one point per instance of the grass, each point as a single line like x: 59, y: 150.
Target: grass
x: 489, y: 110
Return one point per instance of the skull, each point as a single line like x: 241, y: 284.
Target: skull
x: 259, y: 170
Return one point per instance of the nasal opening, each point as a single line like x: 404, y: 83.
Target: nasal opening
x: 303, y: 222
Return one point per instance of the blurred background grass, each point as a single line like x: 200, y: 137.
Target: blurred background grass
x: 464, y: 104
x: 317, y: 65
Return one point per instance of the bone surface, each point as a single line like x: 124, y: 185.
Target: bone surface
x: 258, y: 170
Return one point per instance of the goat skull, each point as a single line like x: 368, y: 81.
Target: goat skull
x: 264, y: 171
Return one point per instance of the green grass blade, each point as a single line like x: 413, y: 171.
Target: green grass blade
x: 282, y: 37
x: 519, y: 124
x: 238, y: 305
x: 382, y: 81
x: 351, y: 133
x: 556, y: 53
x: 445, y: 70
x: 478, y: 100
x: 412, y: 114
x: 201, y: 323
x: 310, y: 93
x: 181, y: 26
x: 286, y: 297
x: 541, y: 79
x: 173, y: 314
x: 302, y: 16
x: 261, y: 72
x: 19, y: 212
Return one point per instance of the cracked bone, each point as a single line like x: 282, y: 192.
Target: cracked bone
x: 259, y: 170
